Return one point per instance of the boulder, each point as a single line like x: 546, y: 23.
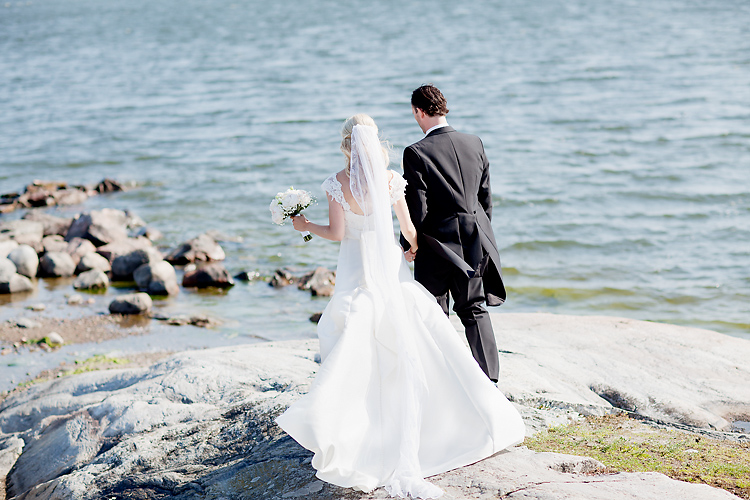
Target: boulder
x: 157, y: 278
x: 113, y: 250
x: 26, y: 260
x: 7, y: 269
x: 124, y: 265
x: 6, y: 247
x: 320, y: 282
x: 200, y: 249
x: 51, y: 223
x: 15, y: 283
x: 57, y: 264
x: 100, y: 226
x: 78, y: 247
x: 54, y: 243
x: 108, y: 186
x: 70, y: 196
x: 22, y: 231
x: 281, y: 278
x: 150, y: 233
x: 93, y: 261
x: 133, y: 303
x: 212, y: 274
x: 91, y: 280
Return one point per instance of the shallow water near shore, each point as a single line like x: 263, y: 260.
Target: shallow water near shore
x: 618, y: 134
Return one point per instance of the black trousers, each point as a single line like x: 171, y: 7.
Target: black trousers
x: 468, y: 298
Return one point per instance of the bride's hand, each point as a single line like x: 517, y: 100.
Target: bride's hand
x: 300, y: 222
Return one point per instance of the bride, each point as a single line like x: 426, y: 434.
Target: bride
x: 398, y: 396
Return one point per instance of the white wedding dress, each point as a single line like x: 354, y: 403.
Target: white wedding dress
x: 398, y: 395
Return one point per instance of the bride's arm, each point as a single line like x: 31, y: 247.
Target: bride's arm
x: 334, y: 231
x: 404, y: 221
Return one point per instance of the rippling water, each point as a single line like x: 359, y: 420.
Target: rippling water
x: 618, y: 133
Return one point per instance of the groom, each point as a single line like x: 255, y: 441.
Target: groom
x: 448, y: 194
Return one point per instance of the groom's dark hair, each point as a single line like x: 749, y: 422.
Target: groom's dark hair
x: 429, y: 99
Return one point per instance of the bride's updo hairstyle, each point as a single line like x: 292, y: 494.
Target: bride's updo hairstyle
x: 346, y: 136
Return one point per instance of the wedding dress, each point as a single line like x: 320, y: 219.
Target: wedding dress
x: 398, y: 396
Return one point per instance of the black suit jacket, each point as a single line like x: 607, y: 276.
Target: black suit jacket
x: 450, y: 203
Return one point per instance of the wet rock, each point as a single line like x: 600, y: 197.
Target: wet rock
x: 315, y: 318
x: 200, y: 249
x: 134, y: 303
x: 54, y: 243
x: 51, y: 223
x: 108, y: 186
x: 22, y: 231
x: 100, y: 226
x: 91, y: 280
x: 281, y: 278
x: 113, y: 250
x: 248, y: 276
x: 200, y: 320
x: 320, y: 282
x: 57, y: 264
x: 16, y: 283
x: 78, y: 247
x: 93, y: 261
x: 211, y: 274
x: 6, y: 247
x: 157, y: 278
x: 124, y: 265
x: 36, y: 307
x: 26, y: 260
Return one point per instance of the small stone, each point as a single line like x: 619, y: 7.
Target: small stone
x: 134, y: 303
x: 93, y: 261
x: 75, y: 300
x: 213, y: 274
x: 36, y: 307
x: 315, y: 318
x: 26, y: 260
x: 27, y: 323
x: 91, y: 280
x: 57, y: 264
x: 54, y: 339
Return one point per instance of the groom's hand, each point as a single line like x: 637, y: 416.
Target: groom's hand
x: 410, y: 255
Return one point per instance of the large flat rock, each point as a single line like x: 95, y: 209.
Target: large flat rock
x: 200, y: 424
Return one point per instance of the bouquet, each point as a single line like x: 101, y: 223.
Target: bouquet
x: 288, y: 204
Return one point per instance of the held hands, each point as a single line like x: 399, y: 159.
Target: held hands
x: 410, y: 254
x: 300, y: 223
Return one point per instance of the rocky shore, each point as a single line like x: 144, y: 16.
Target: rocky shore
x: 199, y: 424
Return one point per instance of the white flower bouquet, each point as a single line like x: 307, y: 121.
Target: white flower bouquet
x: 288, y: 204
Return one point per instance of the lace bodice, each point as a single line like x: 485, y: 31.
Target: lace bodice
x: 354, y: 222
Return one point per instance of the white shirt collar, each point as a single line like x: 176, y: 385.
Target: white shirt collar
x: 439, y: 125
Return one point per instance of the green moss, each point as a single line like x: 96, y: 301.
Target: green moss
x: 623, y: 444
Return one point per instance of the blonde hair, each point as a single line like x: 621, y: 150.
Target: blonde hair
x: 346, y: 137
